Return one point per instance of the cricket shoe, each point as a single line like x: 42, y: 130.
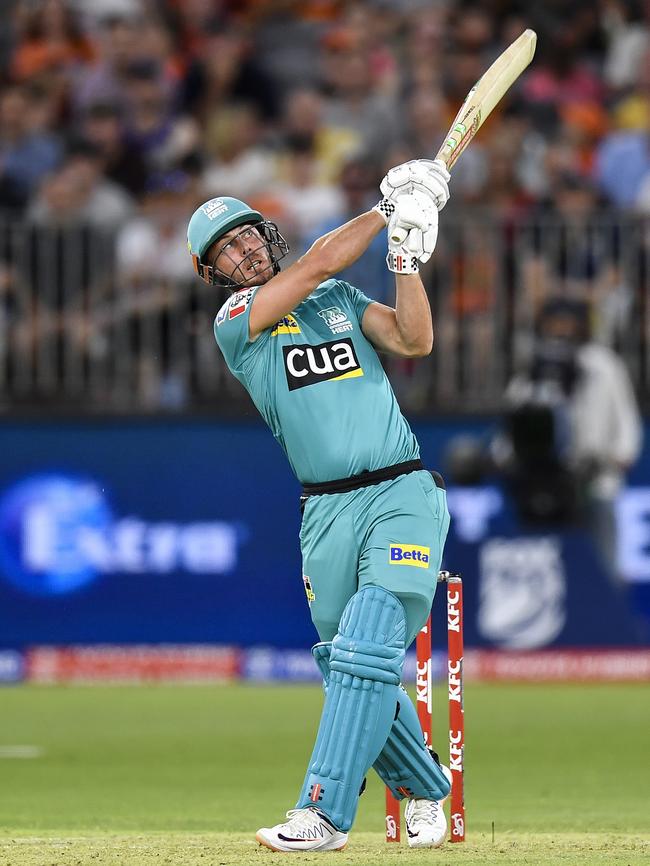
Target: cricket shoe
x: 306, y: 830
x: 426, y: 824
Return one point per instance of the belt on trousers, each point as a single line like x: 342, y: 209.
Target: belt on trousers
x: 367, y: 479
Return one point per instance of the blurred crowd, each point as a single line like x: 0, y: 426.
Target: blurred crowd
x: 119, y: 116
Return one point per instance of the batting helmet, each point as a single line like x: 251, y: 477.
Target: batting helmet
x: 216, y: 217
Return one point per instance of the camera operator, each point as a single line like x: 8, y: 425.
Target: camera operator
x: 573, y: 428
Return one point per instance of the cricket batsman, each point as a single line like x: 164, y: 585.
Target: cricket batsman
x: 304, y: 344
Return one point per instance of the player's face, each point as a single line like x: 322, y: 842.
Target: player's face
x: 242, y: 255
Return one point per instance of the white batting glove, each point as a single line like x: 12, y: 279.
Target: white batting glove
x: 427, y: 176
x: 412, y: 233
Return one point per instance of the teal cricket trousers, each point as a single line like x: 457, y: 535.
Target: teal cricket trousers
x: 390, y: 534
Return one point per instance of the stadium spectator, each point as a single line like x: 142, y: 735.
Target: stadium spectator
x: 238, y: 162
x: 358, y: 185
x: 117, y: 50
x: 302, y: 120
x: 225, y: 68
x: 301, y: 197
x: 51, y: 37
x: 78, y: 194
x: 153, y: 290
x: 582, y: 258
x: 358, y: 112
x: 26, y: 154
x: 627, y: 42
x: 123, y: 162
x: 163, y: 137
x: 622, y: 163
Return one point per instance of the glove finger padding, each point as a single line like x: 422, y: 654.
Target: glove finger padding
x: 414, y: 242
x: 429, y: 243
x: 412, y: 211
x: 426, y: 176
x: 396, y: 180
x: 429, y: 239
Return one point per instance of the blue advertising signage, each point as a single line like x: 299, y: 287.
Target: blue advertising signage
x: 187, y: 532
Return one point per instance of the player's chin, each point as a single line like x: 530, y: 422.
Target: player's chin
x: 255, y: 280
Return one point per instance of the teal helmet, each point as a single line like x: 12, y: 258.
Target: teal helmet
x: 216, y: 217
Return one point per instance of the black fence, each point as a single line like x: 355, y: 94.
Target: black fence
x: 82, y: 329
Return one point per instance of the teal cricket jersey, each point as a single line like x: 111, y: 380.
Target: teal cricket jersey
x: 318, y: 383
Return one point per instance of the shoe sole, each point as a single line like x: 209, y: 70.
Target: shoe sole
x: 267, y: 844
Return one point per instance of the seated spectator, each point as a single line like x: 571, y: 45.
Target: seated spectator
x: 627, y: 42
x: 78, y: 194
x: 622, y: 163
x: 237, y: 164
x: 117, y: 50
x: 160, y: 226
x: 163, y: 138
x: 302, y: 200
x: 560, y: 75
x: 26, y: 155
x: 224, y: 69
x: 577, y: 250
x: 359, y: 187
x: 153, y: 273
x: 354, y: 110
x: 52, y: 38
x: 123, y: 162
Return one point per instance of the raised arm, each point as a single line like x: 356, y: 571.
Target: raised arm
x: 406, y: 330
x: 326, y: 257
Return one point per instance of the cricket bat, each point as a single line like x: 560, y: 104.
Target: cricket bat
x: 479, y: 102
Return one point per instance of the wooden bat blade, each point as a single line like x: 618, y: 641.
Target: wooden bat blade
x: 485, y: 94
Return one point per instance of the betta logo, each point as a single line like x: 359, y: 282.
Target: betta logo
x: 58, y: 534
x: 409, y: 554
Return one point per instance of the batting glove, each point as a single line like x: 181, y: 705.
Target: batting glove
x: 412, y: 233
x: 427, y: 176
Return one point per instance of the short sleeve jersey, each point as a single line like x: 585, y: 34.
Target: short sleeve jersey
x: 318, y: 383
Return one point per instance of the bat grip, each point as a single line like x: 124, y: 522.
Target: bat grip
x: 398, y: 235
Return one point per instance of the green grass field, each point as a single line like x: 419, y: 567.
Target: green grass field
x: 185, y: 775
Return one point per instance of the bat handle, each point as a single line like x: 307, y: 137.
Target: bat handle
x: 398, y: 236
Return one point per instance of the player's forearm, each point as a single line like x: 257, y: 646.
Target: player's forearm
x: 326, y: 257
x: 342, y: 247
x: 413, y: 314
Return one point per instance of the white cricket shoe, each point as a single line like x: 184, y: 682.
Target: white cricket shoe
x: 426, y: 824
x: 306, y: 830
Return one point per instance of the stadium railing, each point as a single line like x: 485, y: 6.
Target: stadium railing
x: 80, y: 331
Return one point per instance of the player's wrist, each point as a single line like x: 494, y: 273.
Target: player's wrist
x: 401, y: 261
x: 385, y: 208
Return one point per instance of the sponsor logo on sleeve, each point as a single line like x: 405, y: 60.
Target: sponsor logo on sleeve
x: 336, y: 320
x: 239, y: 303
x: 409, y: 554
x: 222, y: 314
x: 326, y: 362
x: 286, y: 325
